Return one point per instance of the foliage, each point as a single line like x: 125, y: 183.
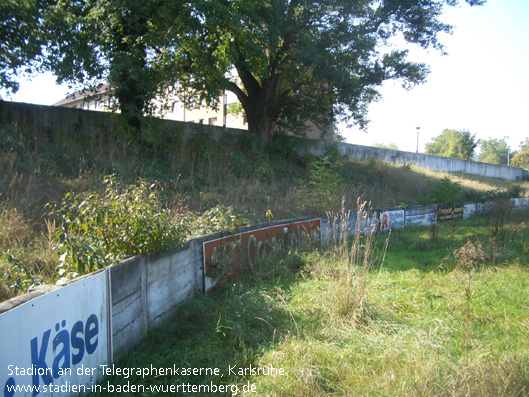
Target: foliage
x: 217, y: 219
x: 392, y: 146
x: 521, y: 159
x: 494, y: 151
x: 18, y: 276
x: 338, y: 137
x: 250, y: 158
x: 22, y: 40
x: 99, y: 230
x: 445, y: 191
x: 125, y: 43
x: 454, y: 144
x: 412, y: 339
x: 514, y: 191
x: 318, y: 194
x: 332, y: 54
x: 328, y: 53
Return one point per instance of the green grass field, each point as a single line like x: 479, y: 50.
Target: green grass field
x: 444, y: 312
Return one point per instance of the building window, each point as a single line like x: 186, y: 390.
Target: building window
x: 201, y: 121
x: 213, y: 121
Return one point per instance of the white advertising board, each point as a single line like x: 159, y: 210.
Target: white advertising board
x: 423, y: 216
x: 469, y: 210
x: 391, y: 219
x: 55, y: 344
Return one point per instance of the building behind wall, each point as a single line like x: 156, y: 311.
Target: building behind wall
x: 172, y: 108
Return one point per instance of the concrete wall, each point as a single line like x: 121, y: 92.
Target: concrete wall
x: 434, y: 163
x: 147, y: 290
x: 51, y: 118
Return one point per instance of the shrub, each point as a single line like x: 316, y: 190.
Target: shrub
x: 445, y: 191
x: 320, y: 192
x: 99, y: 230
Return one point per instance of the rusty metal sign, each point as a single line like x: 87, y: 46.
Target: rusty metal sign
x: 225, y: 258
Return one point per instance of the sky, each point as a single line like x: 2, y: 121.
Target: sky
x: 481, y: 86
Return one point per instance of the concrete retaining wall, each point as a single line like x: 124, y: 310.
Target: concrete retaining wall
x: 51, y: 118
x: 147, y: 290
x: 434, y: 163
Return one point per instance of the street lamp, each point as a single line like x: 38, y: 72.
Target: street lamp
x: 418, y: 129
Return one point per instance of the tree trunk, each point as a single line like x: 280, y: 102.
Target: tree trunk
x: 262, y: 109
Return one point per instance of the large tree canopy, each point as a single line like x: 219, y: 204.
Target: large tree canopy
x: 288, y: 61
x: 318, y: 60
x: 453, y: 143
x: 126, y: 43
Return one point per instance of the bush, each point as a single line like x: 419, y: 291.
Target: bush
x: 320, y: 193
x: 99, y: 230
x: 445, y: 191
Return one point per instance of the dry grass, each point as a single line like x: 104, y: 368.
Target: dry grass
x: 39, y: 167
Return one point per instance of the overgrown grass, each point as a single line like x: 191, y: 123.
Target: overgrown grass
x: 206, y: 182
x: 429, y: 323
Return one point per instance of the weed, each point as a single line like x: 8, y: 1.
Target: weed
x: 318, y: 194
x: 357, y: 258
x: 469, y: 257
x: 445, y: 191
x: 97, y: 231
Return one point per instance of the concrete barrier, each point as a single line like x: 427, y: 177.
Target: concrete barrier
x: 51, y: 119
x: 430, y: 162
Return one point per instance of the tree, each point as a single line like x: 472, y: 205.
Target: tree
x: 21, y: 44
x: 494, y: 151
x: 294, y: 60
x: 386, y: 146
x: 317, y: 60
x: 521, y: 158
x: 454, y: 144
x: 524, y: 144
x: 121, y: 42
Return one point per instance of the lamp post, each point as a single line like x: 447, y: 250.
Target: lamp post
x: 418, y: 129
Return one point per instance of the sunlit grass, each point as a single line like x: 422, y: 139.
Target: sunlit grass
x: 424, y: 329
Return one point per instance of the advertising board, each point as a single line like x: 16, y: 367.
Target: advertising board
x: 226, y: 257
x: 447, y: 213
x: 391, y: 219
x: 420, y: 216
x: 55, y: 344
x: 469, y: 210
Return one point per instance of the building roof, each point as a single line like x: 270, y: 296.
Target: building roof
x: 85, y: 94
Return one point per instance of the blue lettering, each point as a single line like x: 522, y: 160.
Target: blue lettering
x: 38, y: 359
x: 62, y: 358
x: 9, y: 388
x: 90, y: 332
x: 77, y: 342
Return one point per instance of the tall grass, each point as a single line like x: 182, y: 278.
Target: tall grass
x: 437, y: 319
x: 39, y: 167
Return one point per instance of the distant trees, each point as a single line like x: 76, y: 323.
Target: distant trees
x: 494, y: 151
x: 386, y: 146
x: 454, y: 144
x: 521, y: 159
